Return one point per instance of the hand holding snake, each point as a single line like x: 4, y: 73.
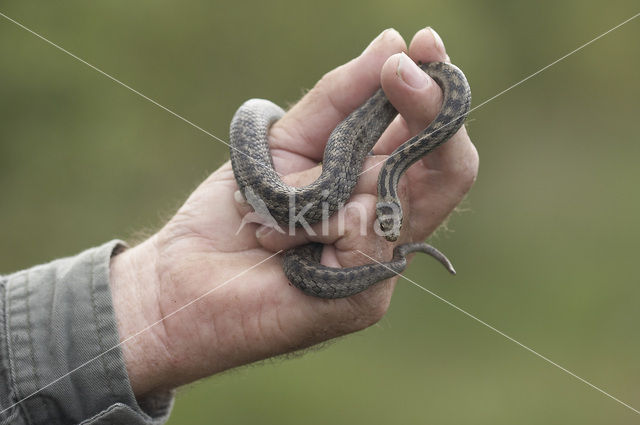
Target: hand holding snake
x: 344, y: 155
x: 250, y: 312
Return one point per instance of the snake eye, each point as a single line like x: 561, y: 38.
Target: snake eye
x: 390, y: 219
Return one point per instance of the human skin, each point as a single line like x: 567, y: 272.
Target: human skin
x: 255, y: 313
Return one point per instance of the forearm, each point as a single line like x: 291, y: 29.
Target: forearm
x: 134, y: 288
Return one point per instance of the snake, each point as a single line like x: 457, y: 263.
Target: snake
x: 347, y: 147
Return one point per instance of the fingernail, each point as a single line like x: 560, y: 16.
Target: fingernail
x: 409, y: 72
x: 263, y: 231
x: 378, y: 38
x: 238, y: 197
x: 437, y: 39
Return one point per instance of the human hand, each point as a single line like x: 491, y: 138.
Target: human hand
x: 251, y: 312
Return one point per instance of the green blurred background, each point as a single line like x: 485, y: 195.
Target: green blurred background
x: 546, y: 249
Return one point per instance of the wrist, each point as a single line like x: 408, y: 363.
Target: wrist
x: 133, y: 280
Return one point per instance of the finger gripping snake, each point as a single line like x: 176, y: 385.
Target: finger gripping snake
x: 347, y: 148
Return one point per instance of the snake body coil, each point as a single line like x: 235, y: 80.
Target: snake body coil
x: 347, y: 147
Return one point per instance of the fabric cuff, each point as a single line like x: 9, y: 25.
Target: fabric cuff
x: 62, y: 340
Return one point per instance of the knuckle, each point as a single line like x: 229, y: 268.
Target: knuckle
x: 467, y: 168
x: 352, y: 215
x: 378, y: 310
x: 462, y: 168
x: 326, y: 82
x: 357, y: 212
x: 377, y: 304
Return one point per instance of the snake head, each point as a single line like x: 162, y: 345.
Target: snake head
x: 389, y: 215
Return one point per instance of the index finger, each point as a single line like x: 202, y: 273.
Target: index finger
x: 304, y: 129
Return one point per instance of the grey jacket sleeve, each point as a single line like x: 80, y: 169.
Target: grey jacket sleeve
x: 59, y: 359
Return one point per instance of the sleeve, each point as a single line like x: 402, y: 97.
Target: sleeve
x: 60, y: 362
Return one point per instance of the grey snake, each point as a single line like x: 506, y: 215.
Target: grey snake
x: 348, y: 146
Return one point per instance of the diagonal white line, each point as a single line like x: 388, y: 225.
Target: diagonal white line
x: 515, y: 85
x: 114, y: 79
x: 231, y: 279
x: 259, y: 162
x: 124, y: 341
x: 532, y: 351
x: 556, y: 61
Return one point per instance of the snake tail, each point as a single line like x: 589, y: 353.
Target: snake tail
x: 303, y: 269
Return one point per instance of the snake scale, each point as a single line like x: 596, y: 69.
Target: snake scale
x: 348, y: 146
